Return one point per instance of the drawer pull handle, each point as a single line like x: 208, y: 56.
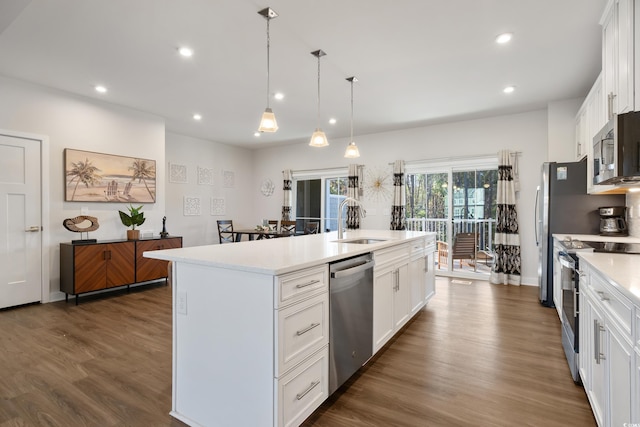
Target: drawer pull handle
x: 307, y: 329
x: 313, y: 385
x: 304, y: 285
x: 602, y: 296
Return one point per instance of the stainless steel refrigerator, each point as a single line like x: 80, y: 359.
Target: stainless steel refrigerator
x: 564, y: 207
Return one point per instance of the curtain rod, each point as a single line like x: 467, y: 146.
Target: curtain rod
x: 444, y: 159
x: 318, y: 170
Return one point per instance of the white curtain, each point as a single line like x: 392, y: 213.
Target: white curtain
x: 506, y: 267
x: 288, y: 196
x: 398, y: 206
x: 353, y: 214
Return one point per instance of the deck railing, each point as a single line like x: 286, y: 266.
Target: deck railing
x: 484, y: 227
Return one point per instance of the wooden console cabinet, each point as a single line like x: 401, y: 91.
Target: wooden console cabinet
x: 109, y: 264
x: 152, y: 269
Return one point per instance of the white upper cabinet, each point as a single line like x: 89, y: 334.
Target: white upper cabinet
x: 589, y: 120
x: 617, y: 56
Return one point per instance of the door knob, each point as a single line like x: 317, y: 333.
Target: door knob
x: 33, y: 229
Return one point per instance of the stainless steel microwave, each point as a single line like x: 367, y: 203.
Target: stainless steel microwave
x: 616, y: 151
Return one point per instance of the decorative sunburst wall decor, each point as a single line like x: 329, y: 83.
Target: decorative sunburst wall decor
x: 377, y: 184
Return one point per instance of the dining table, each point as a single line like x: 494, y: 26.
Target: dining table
x: 255, y: 234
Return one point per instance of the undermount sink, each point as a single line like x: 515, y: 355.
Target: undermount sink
x: 362, y: 241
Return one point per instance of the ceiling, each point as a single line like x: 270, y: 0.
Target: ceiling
x: 418, y: 62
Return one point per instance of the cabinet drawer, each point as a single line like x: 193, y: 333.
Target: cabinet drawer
x: 303, y: 328
x: 616, y: 304
x: 293, y: 287
x: 417, y: 246
x: 302, y: 390
x: 390, y: 255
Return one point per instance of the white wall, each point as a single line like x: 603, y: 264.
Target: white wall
x: 82, y: 123
x: 239, y: 200
x: 526, y: 132
x: 562, y: 129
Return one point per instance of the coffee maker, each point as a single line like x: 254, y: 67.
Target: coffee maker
x: 612, y: 221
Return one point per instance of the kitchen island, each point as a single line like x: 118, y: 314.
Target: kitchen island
x: 251, y: 320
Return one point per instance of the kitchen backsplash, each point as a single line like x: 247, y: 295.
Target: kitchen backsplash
x: 633, y: 214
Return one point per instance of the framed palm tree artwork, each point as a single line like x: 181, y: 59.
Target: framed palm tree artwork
x: 98, y: 177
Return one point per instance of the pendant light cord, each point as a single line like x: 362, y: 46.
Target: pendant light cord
x: 318, y: 91
x: 268, y: 46
x: 351, y: 112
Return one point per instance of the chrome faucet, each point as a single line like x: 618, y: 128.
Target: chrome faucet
x: 363, y: 213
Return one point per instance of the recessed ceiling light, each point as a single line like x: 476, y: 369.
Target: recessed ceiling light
x: 504, y: 38
x: 197, y: 117
x: 332, y: 121
x: 187, y: 52
x: 509, y: 89
x: 279, y: 95
x: 256, y: 134
x: 101, y: 89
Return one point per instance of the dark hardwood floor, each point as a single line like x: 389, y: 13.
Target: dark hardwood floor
x: 478, y: 355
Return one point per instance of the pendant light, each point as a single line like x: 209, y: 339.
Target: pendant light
x: 318, y: 139
x: 352, y: 149
x: 268, y: 122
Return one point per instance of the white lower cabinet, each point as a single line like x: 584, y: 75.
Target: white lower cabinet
x: 383, y: 292
x: 403, y: 280
x: 620, y: 367
x: 595, y: 388
x: 302, y: 390
x: 303, y: 328
x: 635, y: 400
x: 417, y: 267
x: 390, y: 292
x: 429, y: 273
x: 608, y: 364
x: 401, y: 295
x: 301, y: 374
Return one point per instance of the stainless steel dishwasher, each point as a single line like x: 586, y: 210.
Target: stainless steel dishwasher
x: 350, y: 317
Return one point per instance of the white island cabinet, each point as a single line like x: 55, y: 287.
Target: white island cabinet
x: 251, y: 322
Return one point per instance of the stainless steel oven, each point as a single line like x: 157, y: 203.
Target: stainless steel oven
x: 570, y: 282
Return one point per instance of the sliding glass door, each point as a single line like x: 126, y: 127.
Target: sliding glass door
x: 317, y: 197
x: 456, y: 201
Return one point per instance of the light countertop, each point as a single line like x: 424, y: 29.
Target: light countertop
x: 623, y: 270
x: 285, y: 254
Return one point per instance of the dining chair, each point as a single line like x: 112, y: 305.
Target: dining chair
x: 225, y: 231
x: 288, y: 227
x: 311, y: 227
x: 273, y: 224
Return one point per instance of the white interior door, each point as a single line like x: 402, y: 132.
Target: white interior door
x: 20, y: 221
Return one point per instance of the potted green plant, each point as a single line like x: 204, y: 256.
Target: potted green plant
x: 132, y: 219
